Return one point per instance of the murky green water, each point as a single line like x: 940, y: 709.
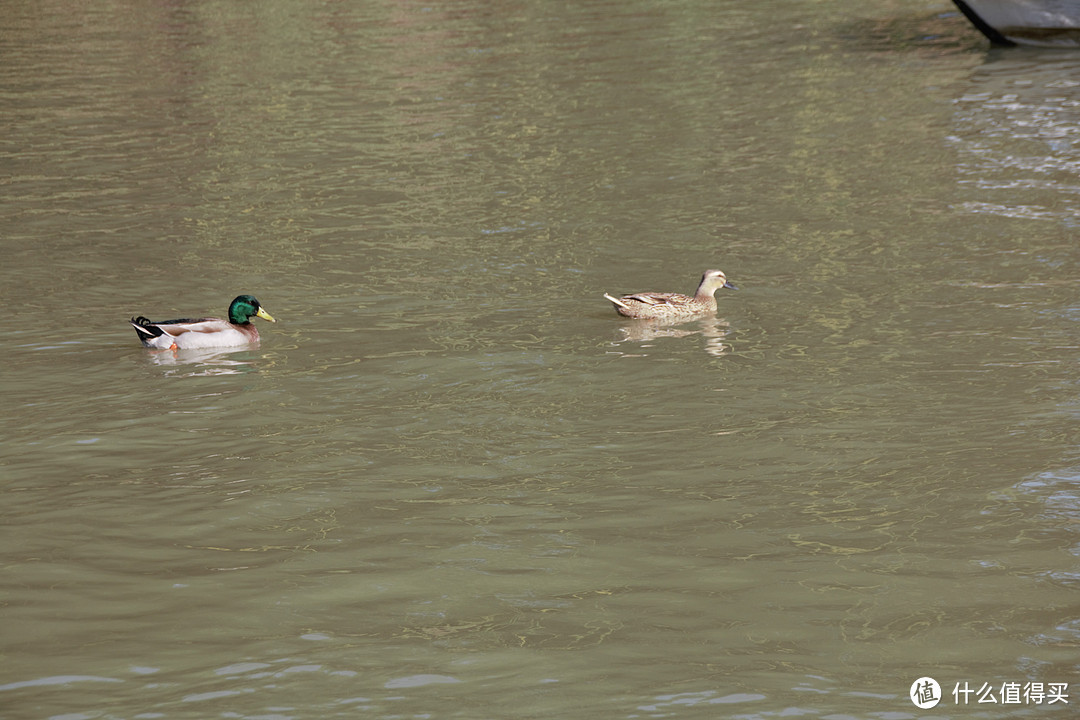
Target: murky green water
x: 451, y: 482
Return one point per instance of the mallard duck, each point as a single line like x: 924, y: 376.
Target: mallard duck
x: 204, y: 332
x: 673, y: 306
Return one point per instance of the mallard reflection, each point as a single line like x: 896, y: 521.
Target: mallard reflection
x: 204, y: 361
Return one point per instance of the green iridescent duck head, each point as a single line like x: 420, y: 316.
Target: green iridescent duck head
x: 245, y: 307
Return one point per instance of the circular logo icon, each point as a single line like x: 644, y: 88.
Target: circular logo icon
x: 925, y: 693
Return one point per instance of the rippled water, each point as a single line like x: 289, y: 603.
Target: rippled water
x: 450, y: 481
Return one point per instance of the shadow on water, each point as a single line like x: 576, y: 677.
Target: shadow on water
x: 941, y: 34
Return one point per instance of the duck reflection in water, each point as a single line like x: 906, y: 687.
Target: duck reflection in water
x: 713, y: 329
x: 204, y: 361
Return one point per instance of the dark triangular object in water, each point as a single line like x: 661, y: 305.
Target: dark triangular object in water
x: 991, y: 33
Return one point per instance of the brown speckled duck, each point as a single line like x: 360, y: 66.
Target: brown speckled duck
x: 673, y: 306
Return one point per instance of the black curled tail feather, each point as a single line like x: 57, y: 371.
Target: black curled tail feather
x: 145, y: 328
